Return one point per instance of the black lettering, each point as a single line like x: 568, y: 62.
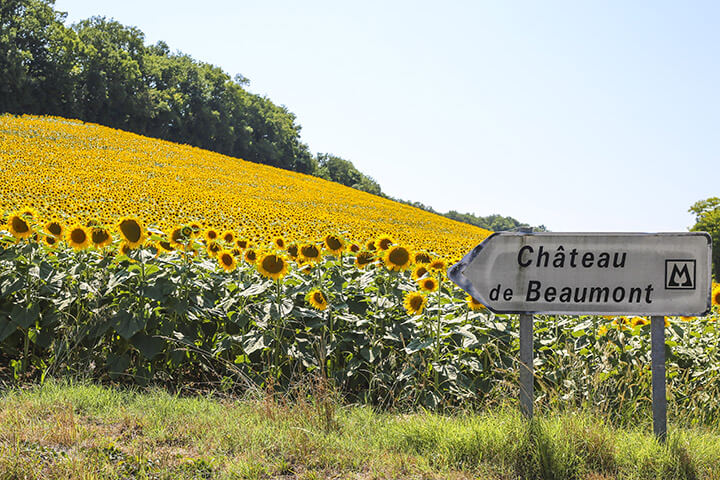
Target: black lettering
x: 495, y: 293
x: 579, y: 299
x: 565, y: 295
x: 542, y: 255
x: 533, y: 291
x: 550, y: 294
x: 635, y: 292
x: 648, y: 290
x: 618, y: 294
x: 619, y: 262
x: 587, y: 259
x: 599, y: 292
x: 520, y: 256
x: 573, y: 255
x: 559, y: 260
x: 508, y: 294
x: 603, y: 260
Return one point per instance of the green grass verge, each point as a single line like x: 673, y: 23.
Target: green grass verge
x: 65, y: 430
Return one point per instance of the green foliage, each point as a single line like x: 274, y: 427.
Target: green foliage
x: 707, y: 219
x: 178, y: 319
x: 336, y: 169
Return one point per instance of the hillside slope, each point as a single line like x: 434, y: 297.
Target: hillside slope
x: 79, y: 172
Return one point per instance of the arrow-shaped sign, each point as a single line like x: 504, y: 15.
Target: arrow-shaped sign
x: 589, y: 273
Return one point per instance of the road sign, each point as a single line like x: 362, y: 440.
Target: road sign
x: 590, y: 273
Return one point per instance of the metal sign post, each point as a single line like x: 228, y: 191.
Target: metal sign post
x: 657, y: 359
x: 654, y: 274
x: 527, y: 379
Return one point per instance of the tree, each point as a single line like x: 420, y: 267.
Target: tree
x: 707, y: 219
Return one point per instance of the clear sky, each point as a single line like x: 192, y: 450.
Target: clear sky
x: 583, y: 116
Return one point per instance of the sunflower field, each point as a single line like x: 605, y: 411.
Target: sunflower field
x: 138, y: 261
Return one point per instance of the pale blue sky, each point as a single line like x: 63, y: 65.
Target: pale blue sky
x: 601, y: 116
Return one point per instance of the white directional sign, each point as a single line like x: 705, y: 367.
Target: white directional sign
x: 589, y: 273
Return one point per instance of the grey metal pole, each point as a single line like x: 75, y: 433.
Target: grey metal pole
x: 527, y: 393
x: 659, y: 398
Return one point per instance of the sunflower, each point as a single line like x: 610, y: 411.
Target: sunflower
x: 213, y: 248
x: 226, y: 260
x: 78, y: 237
x: 716, y: 295
x: 50, y: 240
x: 370, y: 245
x: 279, y: 242
x: 353, y: 248
x: 124, y: 248
x: 638, y: 321
x: 179, y: 236
x: 132, y: 231
x: 195, y: 227
x: 54, y: 228
x: 428, y: 284
x: 100, y: 237
x: 272, y: 266
x: 602, y: 330
x: 310, y: 252
x: 414, y: 303
x: 242, y: 244
x: 438, y: 266
x: 397, y: 258
x: 363, y: 259
x: 250, y: 256
x: 334, y: 244
x: 316, y: 299
x: 419, y: 272
x: 19, y: 227
x: 211, y: 235
x: 384, y: 242
x: 28, y: 213
x: 473, y: 304
x: 421, y: 257
x: 292, y: 250
x: 228, y: 236
x: 304, y: 268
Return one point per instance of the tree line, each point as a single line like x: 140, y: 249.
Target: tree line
x: 101, y: 71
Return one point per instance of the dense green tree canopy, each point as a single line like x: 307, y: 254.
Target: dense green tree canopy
x: 707, y: 219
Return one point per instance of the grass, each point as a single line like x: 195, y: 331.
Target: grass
x: 66, y: 430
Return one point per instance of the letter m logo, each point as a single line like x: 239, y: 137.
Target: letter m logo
x: 680, y: 274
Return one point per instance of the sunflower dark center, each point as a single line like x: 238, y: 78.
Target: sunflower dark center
x: 399, y: 256
x: 364, y: 258
x: 416, y: 302
x: 212, y: 234
x: 78, y: 236
x: 50, y: 240
x: 251, y: 255
x: 422, y: 258
x: 99, y: 236
x: 310, y: 251
x: 166, y: 245
x: 229, y: 237
x: 293, y: 250
x: 281, y: 243
x: 226, y: 259
x: 318, y: 297
x: 55, y: 228
x: 131, y: 230
x: 384, y: 243
x: 20, y: 225
x: 429, y: 283
x: 333, y: 243
x: 273, y: 264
